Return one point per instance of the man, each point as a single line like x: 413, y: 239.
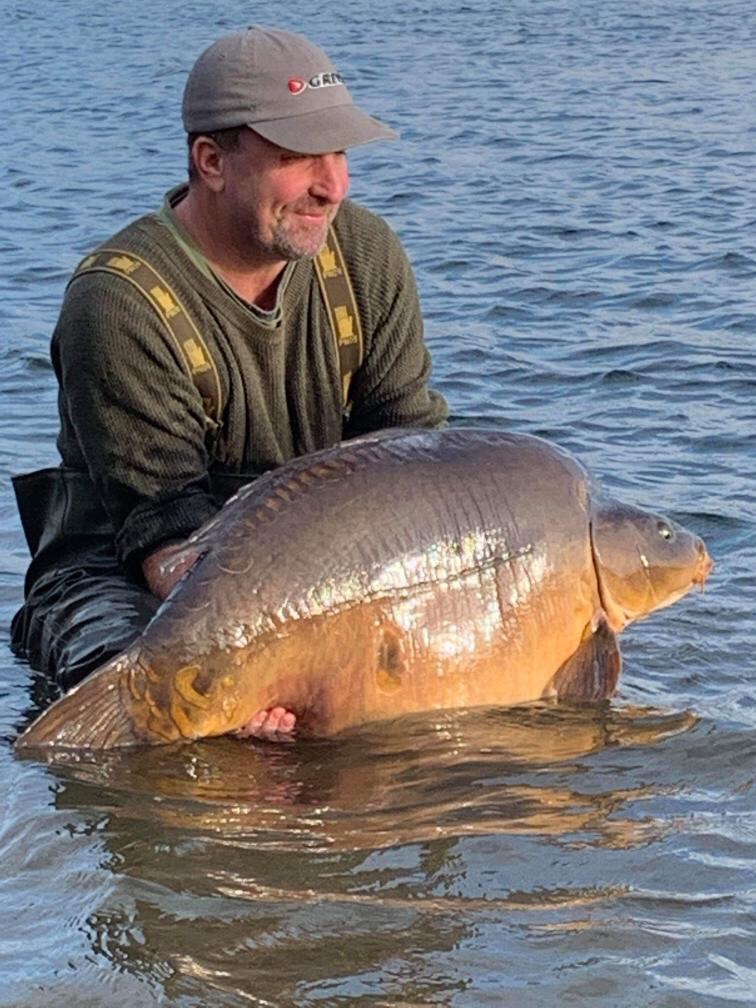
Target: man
x: 159, y: 424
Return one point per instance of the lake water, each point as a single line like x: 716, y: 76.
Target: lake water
x: 575, y: 186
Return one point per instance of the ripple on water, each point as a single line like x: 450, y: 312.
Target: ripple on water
x: 584, y: 247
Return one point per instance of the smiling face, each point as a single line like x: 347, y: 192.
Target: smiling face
x: 277, y: 204
x: 643, y: 561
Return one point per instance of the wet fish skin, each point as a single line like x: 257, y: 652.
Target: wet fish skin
x: 401, y: 572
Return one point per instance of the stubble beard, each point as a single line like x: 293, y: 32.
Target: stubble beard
x: 292, y: 240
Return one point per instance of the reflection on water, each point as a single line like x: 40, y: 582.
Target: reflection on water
x: 465, y: 773
x: 228, y: 861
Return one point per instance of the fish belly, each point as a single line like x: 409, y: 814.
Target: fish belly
x: 460, y: 643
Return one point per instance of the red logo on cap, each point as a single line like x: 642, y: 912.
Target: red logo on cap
x: 327, y: 79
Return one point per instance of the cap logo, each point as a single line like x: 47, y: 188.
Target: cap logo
x: 297, y: 84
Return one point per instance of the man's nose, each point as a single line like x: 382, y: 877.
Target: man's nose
x: 331, y: 179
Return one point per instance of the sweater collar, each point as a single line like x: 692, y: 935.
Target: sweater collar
x: 167, y: 216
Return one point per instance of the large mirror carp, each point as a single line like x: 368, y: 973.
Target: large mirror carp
x: 397, y: 573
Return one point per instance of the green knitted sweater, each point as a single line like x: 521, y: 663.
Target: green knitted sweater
x: 131, y: 417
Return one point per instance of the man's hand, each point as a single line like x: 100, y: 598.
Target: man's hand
x: 161, y: 574
x: 275, y: 725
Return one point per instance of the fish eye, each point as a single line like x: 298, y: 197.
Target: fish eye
x: 664, y: 530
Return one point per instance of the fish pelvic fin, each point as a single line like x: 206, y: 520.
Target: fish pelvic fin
x: 96, y: 714
x: 593, y: 671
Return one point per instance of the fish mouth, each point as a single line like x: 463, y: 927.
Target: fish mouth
x: 704, y: 567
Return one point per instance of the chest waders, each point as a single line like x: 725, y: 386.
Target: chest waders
x: 59, y: 507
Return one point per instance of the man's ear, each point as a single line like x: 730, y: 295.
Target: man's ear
x: 208, y: 160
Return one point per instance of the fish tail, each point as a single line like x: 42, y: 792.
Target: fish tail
x: 93, y: 715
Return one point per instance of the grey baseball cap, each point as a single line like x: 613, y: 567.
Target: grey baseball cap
x: 281, y: 86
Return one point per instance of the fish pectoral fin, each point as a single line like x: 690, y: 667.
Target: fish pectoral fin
x: 93, y: 715
x: 593, y: 671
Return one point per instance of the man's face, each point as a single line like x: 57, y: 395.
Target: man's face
x: 281, y: 203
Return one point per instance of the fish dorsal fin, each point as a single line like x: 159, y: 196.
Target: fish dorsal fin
x: 592, y: 672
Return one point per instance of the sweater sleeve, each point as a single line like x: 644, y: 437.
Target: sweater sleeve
x: 390, y: 389
x: 137, y: 420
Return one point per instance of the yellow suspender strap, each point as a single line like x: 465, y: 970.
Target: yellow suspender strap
x: 335, y: 288
x: 181, y: 328
x: 344, y: 318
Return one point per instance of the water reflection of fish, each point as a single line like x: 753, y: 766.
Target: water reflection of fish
x: 210, y: 869
x: 402, y: 572
x: 496, y: 771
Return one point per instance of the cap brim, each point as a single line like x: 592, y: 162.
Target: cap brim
x: 324, y: 131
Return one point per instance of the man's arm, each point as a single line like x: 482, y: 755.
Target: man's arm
x: 131, y: 416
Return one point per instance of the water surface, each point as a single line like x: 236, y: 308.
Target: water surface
x: 574, y: 185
